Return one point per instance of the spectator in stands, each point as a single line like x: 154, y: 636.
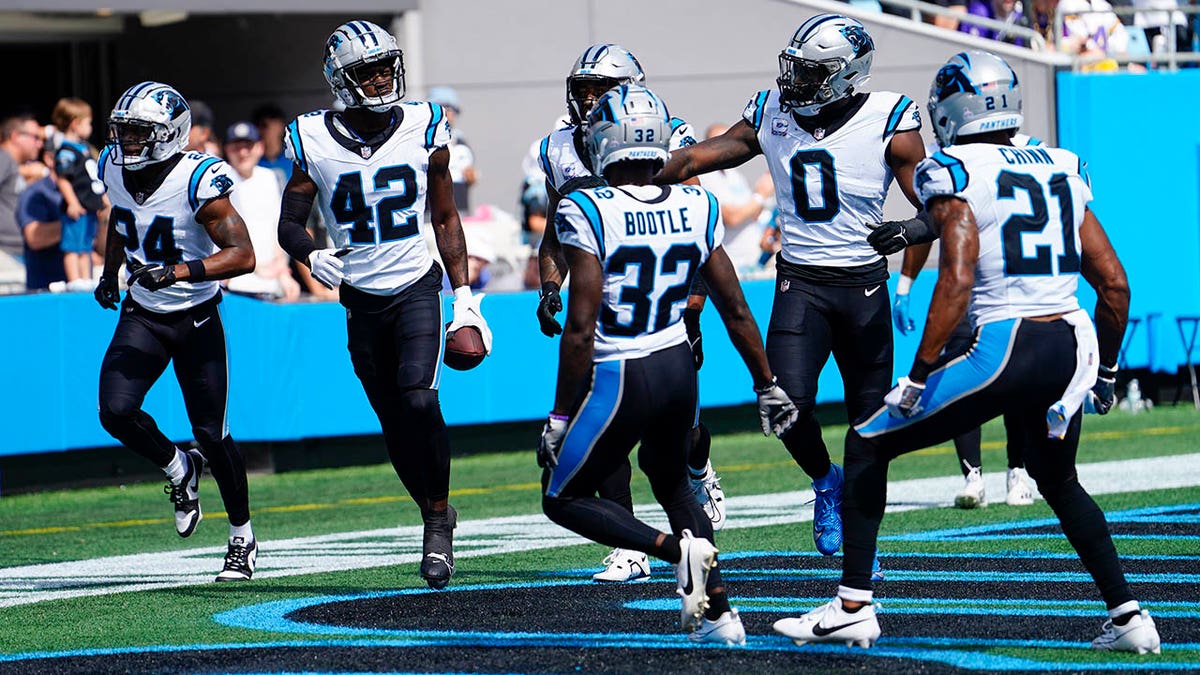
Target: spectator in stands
x: 39, y: 213
x: 947, y: 22
x: 1008, y: 11
x: 81, y: 189
x: 201, y: 138
x: 741, y: 207
x: 462, y: 159
x: 1090, y: 29
x: 256, y: 196
x: 20, y: 142
x: 1162, y: 21
x: 534, y: 202
x: 270, y: 121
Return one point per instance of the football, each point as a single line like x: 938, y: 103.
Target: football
x: 464, y: 348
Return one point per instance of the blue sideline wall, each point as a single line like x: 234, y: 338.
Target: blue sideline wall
x: 1140, y: 137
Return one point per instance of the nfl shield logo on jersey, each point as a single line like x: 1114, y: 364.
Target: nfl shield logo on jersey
x: 365, y: 150
x: 779, y: 126
x: 784, y: 286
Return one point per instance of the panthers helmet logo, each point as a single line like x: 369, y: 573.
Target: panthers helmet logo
x: 222, y: 183
x: 171, y: 103
x: 951, y: 80
x: 858, y: 39
x: 334, y: 42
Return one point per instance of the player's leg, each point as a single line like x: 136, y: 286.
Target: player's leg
x: 967, y: 445
x: 1020, y: 487
x: 663, y: 457
x: 621, y: 564
x: 798, y: 345
x: 202, y: 368
x: 136, y: 358
x: 703, y: 479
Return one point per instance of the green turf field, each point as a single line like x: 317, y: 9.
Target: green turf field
x: 76, y: 525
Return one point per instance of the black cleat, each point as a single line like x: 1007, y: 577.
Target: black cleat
x: 437, y: 564
x: 239, y: 560
x: 186, y: 495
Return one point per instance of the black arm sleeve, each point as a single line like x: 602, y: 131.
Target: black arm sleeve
x: 699, y: 286
x: 293, y: 237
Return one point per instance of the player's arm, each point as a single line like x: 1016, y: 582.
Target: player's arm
x: 904, y: 152
x: 552, y: 268
x: 1104, y: 272
x: 578, y: 341
x: 235, y: 254
x: 914, y: 261
x: 734, y: 147
x: 956, y: 276
x: 108, y: 292
x: 447, y: 227
x: 776, y: 411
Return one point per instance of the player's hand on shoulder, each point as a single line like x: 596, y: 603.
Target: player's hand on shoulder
x: 776, y: 412
x: 152, y: 276
x: 466, y: 312
x: 904, y: 400
x: 549, y: 304
x: 551, y: 441
x: 108, y: 293
x: 326, y: 265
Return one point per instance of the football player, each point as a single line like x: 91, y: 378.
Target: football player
x: 625, y: 370
x: 832, y: 150
x: 567, y: 165
x: 967, y: 446
x: 1016, y: 235
x: 370, y: 169
x: 173, y: 226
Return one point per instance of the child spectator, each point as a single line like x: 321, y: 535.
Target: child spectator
x: 81, y: 189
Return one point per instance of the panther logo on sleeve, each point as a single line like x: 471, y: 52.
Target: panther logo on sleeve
x: 222, y: 183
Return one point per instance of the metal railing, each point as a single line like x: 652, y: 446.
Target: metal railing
x: 1169, y: 56
x: 917, y: 9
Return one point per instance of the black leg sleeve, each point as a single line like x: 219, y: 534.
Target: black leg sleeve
x: 135, y: 359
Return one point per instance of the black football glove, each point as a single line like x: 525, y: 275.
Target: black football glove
x: 895, y: 235
x: 152, y: 276
x: 1104, y: 392
x: 691, y: 321
x: 549, y: 304
x: 108, y: 294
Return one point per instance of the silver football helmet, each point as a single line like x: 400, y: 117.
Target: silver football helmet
x: 357, y: 55
x: 828, y: 59
x: 975, y: 92
x: 628, y: 123
x: 149, y: 123
x: 607, y: 65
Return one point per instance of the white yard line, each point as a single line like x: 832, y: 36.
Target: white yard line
x: 402, y: 545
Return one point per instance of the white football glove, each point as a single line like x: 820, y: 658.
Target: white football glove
x: 904, y: 400
x: 326, y: 265
x: 776, y: 411
x: 466, y: 313
x: 551, y: 443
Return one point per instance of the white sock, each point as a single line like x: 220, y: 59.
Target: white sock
x: 855, y: 594
x: 702, y: 474
x: 243, y: 531
x: 176, y: 469
x: 1124, y: 608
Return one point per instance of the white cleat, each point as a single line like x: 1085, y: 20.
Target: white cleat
x: 727, y: 629
x: 710, y: 496
x: 831, y: 623
x: 972, y: 495
x: 1139, y: 636
x: 696, y: 558
x: 623, y: 565
x: 1020, y: 490
x: 186, y: 495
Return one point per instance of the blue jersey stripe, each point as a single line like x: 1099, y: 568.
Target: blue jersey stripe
x: 714, y: 210
x: 896, y: 116
x: 435, y: 117
x: 103, y: 160
x: 1034, y: 140
x: 957, y: 379
x: 590, y: 423
x: 958, y: 173
x: 194, y: 183
x: 293, y: 138
x: 676, y: 123
x: 592, y: 212
x: 760, y: 105
x: 544, y: 158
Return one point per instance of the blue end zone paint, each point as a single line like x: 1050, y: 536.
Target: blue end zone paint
x: 1009, y: 530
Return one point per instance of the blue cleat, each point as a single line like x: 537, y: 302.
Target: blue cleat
x: 827, y: 511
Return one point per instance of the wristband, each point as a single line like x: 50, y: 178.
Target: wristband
x: 764, y: 389
x: 920, y: 371
x: 559, y: 418
x: 1110, y: 373
x: 196, y: 271
x: 904, y: 285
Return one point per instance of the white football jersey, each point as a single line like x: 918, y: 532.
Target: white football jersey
x: 1028, y: 204
x: 372, y: 201
x: 830, y: 187
x: 161, y: 227
x: 563, y: 161
x: 651, y: 241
